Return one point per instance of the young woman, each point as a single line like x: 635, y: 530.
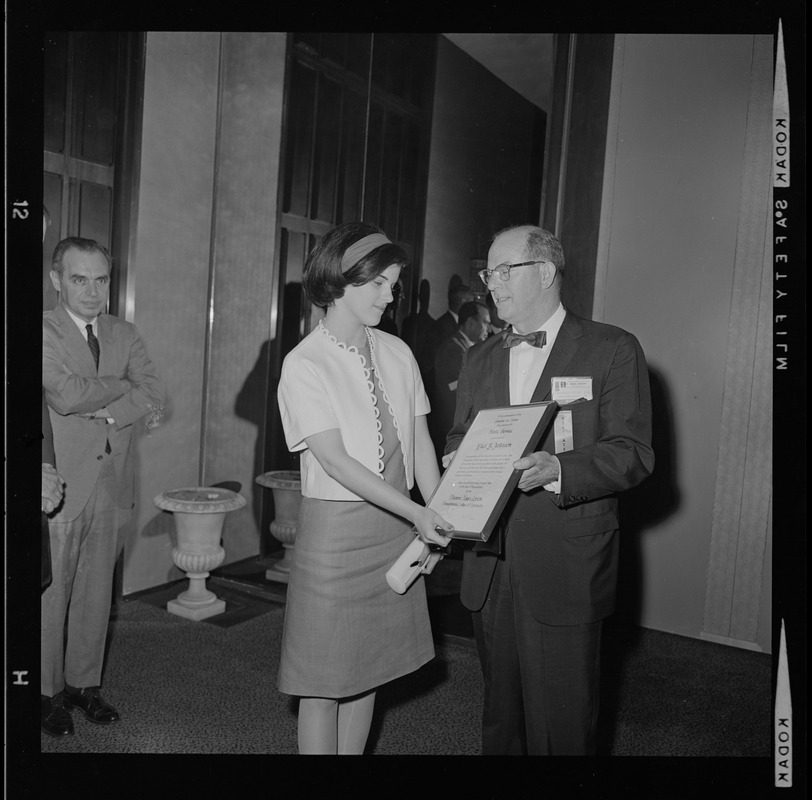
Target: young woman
x: 352, y: 402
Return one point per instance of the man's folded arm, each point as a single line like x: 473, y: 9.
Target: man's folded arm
x: 68, y: 393
x: 147, y: 390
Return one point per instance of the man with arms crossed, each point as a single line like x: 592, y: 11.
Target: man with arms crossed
x: 98, y: 381
x: 472, y: 327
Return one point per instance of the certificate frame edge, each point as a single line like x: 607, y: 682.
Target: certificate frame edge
x: 538, y: 432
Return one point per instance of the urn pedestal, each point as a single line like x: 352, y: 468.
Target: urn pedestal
x: 199, y: 514
x: 286, y: 486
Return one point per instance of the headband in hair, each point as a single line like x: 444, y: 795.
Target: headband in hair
x: 363, y: 247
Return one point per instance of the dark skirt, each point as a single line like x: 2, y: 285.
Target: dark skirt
x: 346, y: 631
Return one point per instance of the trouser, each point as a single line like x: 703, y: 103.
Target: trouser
x: 45, y: 570
x: 541, y: 681
x: 83, y: 555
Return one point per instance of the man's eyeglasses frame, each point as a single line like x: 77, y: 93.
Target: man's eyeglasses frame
x: 503, y: 271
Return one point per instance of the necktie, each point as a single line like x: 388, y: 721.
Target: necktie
x: 93, y: 344
x: 537, y: 339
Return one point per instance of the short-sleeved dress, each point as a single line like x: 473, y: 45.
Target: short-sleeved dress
x: 346, y: 631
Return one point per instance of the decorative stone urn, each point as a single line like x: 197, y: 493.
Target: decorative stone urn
x: 199, y: 516
x: 287, y: 498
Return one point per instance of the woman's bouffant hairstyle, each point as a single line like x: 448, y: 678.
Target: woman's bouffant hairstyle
x: 323, y: 280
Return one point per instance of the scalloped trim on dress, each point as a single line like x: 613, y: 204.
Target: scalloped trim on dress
x: 385, y: 394
x: 351, y: 348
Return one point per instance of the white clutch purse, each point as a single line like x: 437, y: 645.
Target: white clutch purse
x: 404, y: 571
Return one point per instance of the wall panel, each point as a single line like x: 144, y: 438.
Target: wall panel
x: 169, y: 278
x: 483, y: 143
x: 673, y: 211
x: 243, y: 272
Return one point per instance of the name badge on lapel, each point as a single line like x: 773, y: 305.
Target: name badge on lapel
x: 568, y: 389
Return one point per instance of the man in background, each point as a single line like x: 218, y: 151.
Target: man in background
x: 52, y: 483
x: 446, y: 324
x: 497, y: 324
x: 443, y: 327
x: 416, y: 326
x: 98, y: 381
x: 52, y: 491
x: 473, y: 326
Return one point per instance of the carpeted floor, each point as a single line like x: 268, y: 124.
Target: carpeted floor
x: 209, y: 687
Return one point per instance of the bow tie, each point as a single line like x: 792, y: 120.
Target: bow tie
x: 537, y: 339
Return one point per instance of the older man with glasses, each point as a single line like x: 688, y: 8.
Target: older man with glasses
x: 98, y: 383
x: 541, y: 586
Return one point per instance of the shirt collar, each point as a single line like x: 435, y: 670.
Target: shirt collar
x: 82, y: 324
x: 553, y: 325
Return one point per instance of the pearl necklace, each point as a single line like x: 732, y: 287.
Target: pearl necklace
x: 350, y: 348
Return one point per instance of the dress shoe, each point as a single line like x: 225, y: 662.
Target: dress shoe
x: 92, y: 705
x: 54, y: 718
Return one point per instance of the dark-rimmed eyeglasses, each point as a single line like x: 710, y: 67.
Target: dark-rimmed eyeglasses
x: 503, y: 271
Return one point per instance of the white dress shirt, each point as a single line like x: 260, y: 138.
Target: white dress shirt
x: 526, y: 365
x: 82, y: 325
x: 528, y: 362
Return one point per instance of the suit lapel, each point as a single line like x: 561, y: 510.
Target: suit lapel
x: 565, y: 347
x: 500, y: 373
x: 460, y: 342
x: 105, y: 343
x: 75, y: 344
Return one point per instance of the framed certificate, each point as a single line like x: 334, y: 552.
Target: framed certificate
x: 473, y: 491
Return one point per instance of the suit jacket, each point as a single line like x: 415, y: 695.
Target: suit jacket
x: 447, y: 365
x: 126, y: 383
x: 564, y: 547
x: 444, y: 326
x: 414, y: 330
x: 47, y: 458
